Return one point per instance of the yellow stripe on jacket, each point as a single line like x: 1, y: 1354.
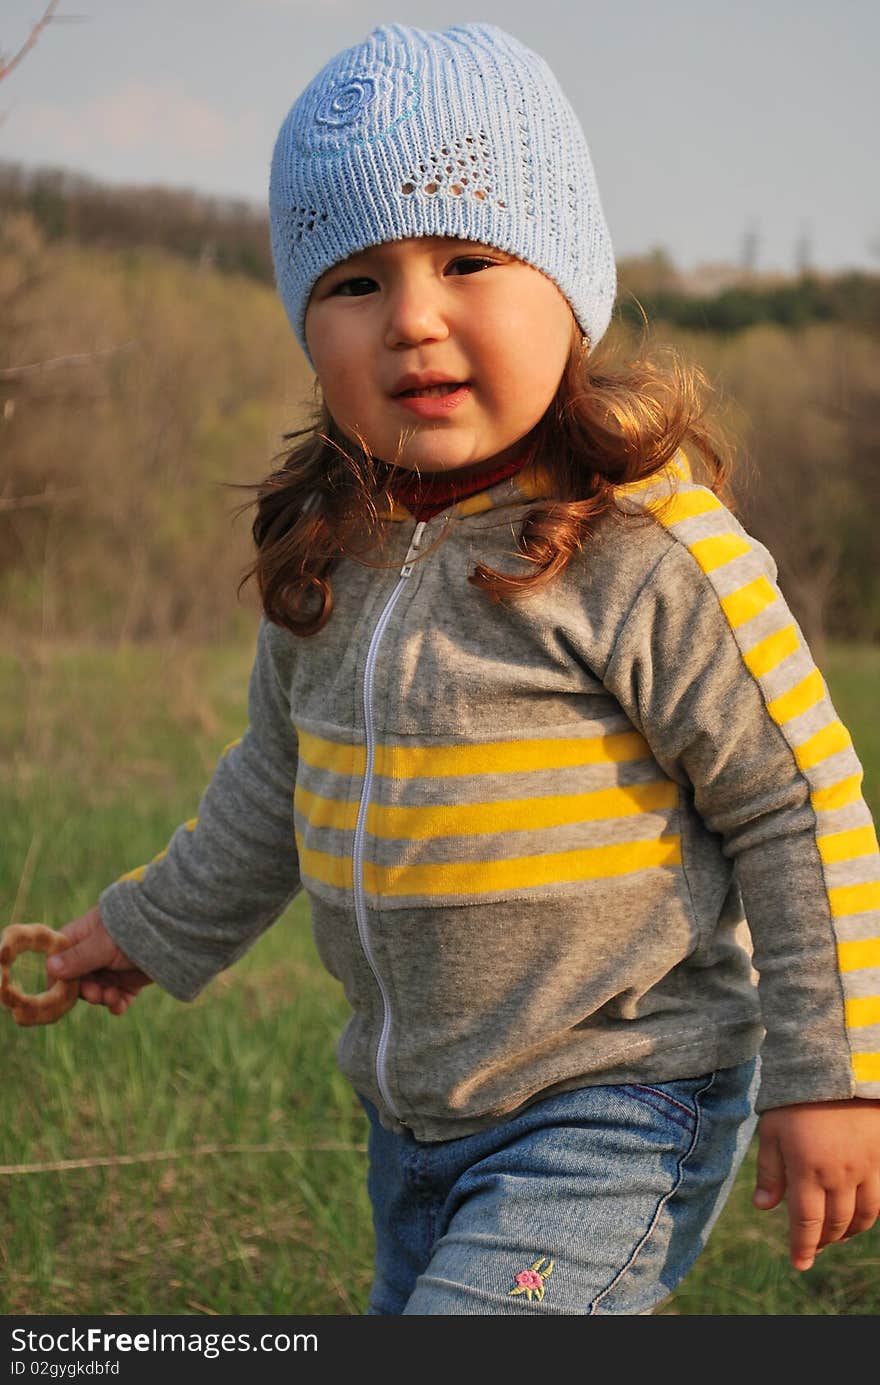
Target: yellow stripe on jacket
x: 797, y: 701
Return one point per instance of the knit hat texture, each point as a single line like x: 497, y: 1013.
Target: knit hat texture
x: 463, y: 133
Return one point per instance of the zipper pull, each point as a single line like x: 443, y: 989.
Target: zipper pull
x: 413, y: 548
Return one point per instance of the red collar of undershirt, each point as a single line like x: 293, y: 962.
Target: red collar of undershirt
x: 426, y: 495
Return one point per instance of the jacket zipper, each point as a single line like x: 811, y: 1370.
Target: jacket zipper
x: 360, y: 906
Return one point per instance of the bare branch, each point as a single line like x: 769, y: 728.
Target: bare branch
x: 13, y: 372
x: 6, y: 67
x: 30, y: 502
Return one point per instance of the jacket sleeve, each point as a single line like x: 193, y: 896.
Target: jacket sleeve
x: 226, y: 875
x: 713, y: 670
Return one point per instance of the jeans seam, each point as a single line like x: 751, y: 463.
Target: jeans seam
x: 652, y: 1226
x: 671, y: 1100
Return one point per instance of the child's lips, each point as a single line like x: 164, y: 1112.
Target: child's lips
x: 434, y: 405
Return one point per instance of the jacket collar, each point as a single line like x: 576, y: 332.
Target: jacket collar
x: 534, y: 482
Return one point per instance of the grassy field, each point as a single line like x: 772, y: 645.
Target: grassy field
x: 208, y: 1158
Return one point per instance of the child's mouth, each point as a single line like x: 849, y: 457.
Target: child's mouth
x: 430, y: 391
x: 434, y: 401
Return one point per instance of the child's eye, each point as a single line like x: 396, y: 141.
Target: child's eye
x: 349, y: 287
x: 346, y: 283
x: 474, y: 260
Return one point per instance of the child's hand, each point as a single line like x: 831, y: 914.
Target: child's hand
x: 107, y: 977
x: 827, y: 1155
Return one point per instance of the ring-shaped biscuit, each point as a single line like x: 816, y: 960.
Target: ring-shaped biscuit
x: 47, y: 1006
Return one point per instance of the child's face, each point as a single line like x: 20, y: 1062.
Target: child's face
x: 464, y: 311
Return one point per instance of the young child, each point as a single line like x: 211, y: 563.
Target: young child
x: 532, y: 725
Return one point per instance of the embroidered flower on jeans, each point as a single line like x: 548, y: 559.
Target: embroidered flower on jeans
x: 531, y: 1281
x: 527, y: 1279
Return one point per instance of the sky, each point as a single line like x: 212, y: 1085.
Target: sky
x: 716, y: 129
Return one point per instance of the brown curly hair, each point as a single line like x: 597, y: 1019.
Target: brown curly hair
x: 611, y: 423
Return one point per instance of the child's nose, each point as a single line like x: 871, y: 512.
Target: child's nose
x: 415, y: 314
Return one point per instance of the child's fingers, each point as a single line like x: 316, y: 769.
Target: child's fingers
x: 95, y: 992
x: 114, y: 1000
x: 867, y: 1208
x: 840, y: 1208
x: 806, y: 1214
x: 93, y: 949
x: 770, y: 1180
x: 115, y: 990
x: 80, y: 928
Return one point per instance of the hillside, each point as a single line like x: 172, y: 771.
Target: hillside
x: 140, y: 384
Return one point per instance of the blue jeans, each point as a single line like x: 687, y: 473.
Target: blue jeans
x: 595, y: 1201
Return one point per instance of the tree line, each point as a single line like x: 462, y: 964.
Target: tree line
x: 137, y: 386
x: 852, y: 298
x: 227, y: 234
x: 232, y: 236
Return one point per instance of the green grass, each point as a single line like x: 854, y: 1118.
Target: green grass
x: 101, y: 754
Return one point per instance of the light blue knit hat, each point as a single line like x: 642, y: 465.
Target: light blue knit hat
x: 462, y: 133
